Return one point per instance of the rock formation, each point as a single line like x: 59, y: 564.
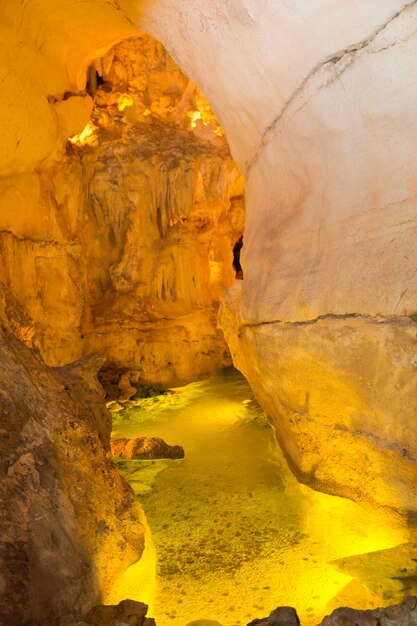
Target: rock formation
x: 317, y: 100
x: 133, y: 613
x: 126, y: 612
x: 323, y: 324
x: 399, y: 614
x: 321, y: 128
x: 127, y: 239
x: 63, y: 544
x: 145, y: 448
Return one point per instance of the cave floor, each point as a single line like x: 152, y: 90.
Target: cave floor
x: 234, y: 532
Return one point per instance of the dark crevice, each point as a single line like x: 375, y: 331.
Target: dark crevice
x: 236, y: 258
x: 94, y: 80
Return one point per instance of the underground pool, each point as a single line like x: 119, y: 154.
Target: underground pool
x: 235, y: 535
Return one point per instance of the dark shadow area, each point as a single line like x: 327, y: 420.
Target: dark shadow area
x: 236, y: 258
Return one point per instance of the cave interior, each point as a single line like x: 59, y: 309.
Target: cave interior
x: 208, y: 325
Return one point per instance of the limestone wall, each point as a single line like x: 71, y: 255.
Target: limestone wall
x: 323, y: 323
x: 123, y: 245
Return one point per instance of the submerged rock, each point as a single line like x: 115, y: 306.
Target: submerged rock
x: 145, y: 448
x: 204, y: 622
x: 127, y: 612
x: 150, y: 391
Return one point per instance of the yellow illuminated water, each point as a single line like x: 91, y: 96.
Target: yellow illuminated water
x: 235, y: 534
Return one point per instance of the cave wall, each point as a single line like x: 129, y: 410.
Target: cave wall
x: 63, y: 544
x: 122, y: 245
x: 164, y: 207
x: 322, y: 325
x: 316, y: 100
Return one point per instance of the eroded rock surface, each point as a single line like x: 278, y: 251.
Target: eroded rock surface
x: 404, y: 614
x: 124, y: 245
x: 62, y: 543
x: 145, y: 448
x: 126, y: 612
x: 323, y: 326
x: 341, y: 395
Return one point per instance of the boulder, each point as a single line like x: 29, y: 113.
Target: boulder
x: 404, y: 614
x: 145, y: 448
x: 127, y: 612
x: 284, y: 616
x: 281, y: 616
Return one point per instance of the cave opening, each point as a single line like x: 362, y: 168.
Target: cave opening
x: 164, y: 206
x: 94, y: 80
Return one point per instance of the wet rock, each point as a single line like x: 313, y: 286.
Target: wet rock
x: 126, y: 613
x: 114, y: 407
x: 145, y: 448
x: 149, y: 391
x: 404, y: 614
x: 126, y: 387
x: 284, y: 616
x: 281, y: 616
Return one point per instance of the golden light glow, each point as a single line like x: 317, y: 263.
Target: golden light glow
x: 231, y: 522
x: 204, y: 115
x: 139, y: 581
x: 194, y: 116
x: 216, y: 271
x: 88, y: 136
x: 125, y: 100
